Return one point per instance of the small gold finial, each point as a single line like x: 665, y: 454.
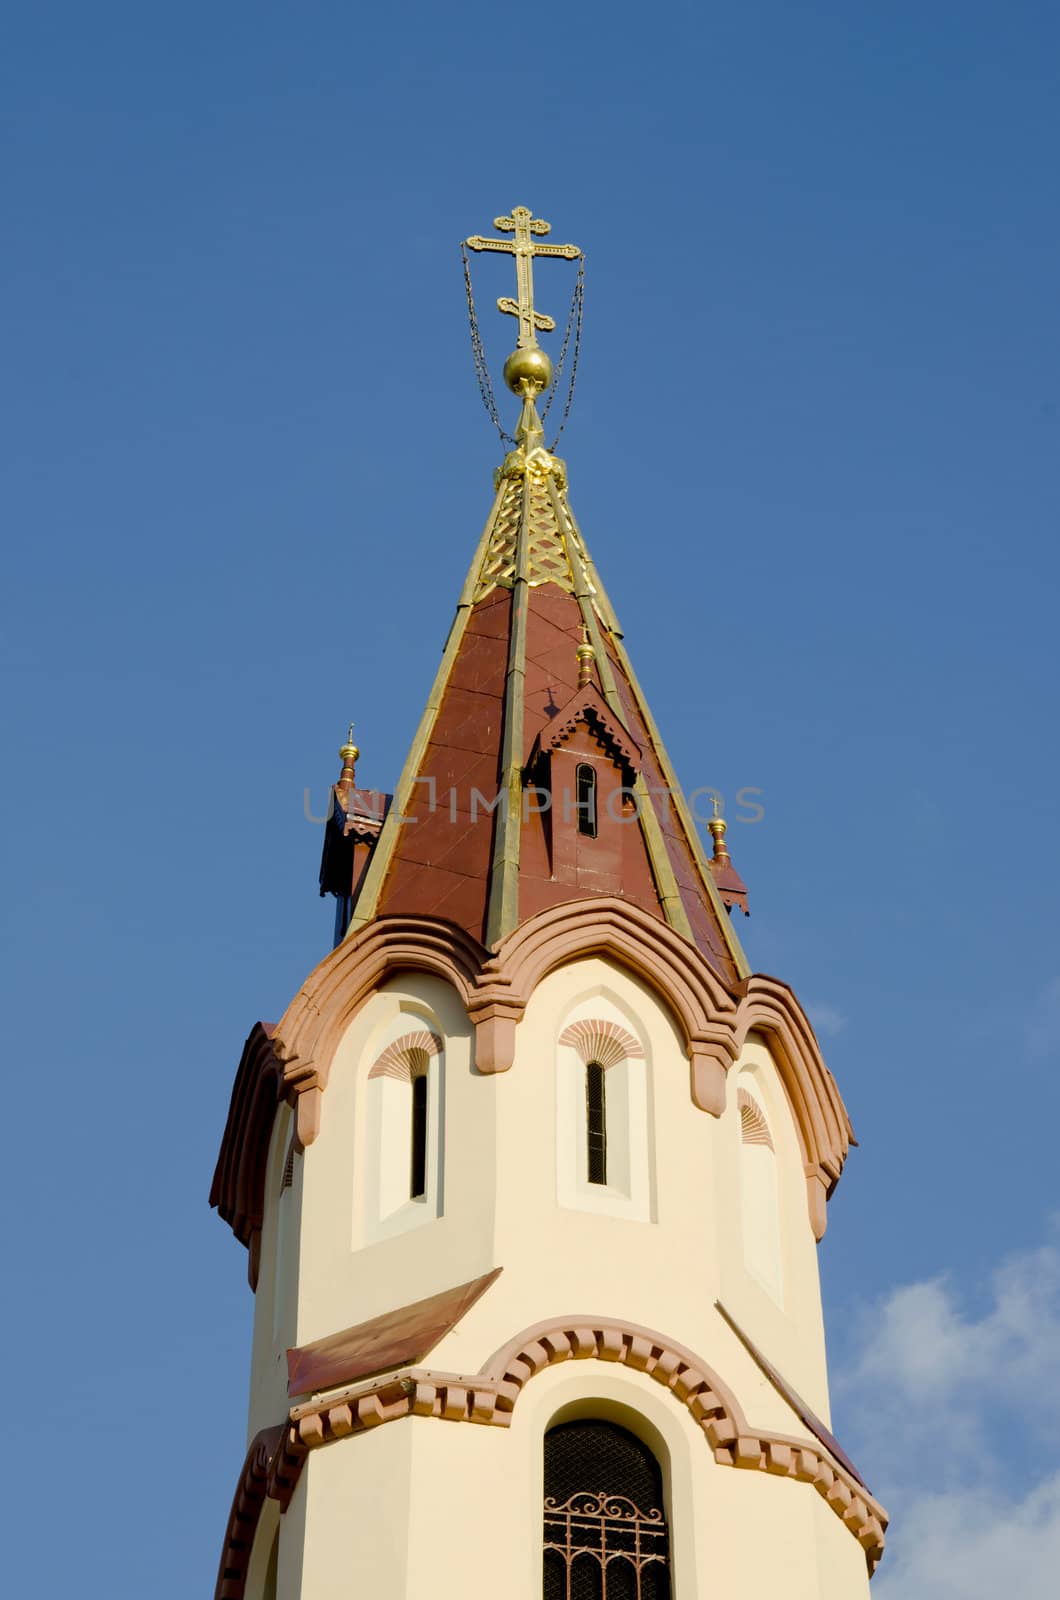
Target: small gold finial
x: 586, y: 659
x: 528, y: 370
x: 718, y: 827
x: 349, y: 755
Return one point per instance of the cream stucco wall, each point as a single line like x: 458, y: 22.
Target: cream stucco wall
x: 404, y: 1508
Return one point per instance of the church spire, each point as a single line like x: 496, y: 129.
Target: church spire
x: 490, y: 819
x: 535, y: 901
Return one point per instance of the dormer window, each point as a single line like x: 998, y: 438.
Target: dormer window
x: 585, y: 780
x: 586, y: 766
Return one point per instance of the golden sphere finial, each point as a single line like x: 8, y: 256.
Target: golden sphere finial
x: 528, y: 371
x: 717, y: 828
x: 349, y: 752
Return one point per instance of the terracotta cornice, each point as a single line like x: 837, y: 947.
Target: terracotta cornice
x: 490, y: 1396
x: 495, y: 988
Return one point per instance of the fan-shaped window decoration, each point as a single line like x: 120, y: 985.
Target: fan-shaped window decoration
x: 585, y: 779
x: 408, y: 1057
x: 759, y: 1201
x: 754, y: 1129
x: 605, y: 1534
x: 597, y: 1039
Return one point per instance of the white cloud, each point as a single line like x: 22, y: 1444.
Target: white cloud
x: 1043, y: 1026
x: 826, y: 1019
x: 953, y: 1410
x: 974, y: 1546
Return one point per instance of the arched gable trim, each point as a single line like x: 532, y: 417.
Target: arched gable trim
x: 769, y: 1007
x: 496, y: 987
x: 294, y: 1061
x: 649, y: 949
x: 251, y: 1491
x: 238, y: 1187
x: 315, y: 1021
x: 490, y: 1396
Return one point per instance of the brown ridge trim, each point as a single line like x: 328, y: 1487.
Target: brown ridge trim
x: 666, y: 886
x: 391, y: 1340
x: 502, y: 911
x: 490, y: 1396
x: 375, y: 876
x: 593, y: 598
x: 806, y: 1416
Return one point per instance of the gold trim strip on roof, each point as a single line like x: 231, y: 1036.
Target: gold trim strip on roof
x: 728, y: 932
x: 601, y: 603
x: 666, y: 886
x: 367, y: 901
x: 502, y: 914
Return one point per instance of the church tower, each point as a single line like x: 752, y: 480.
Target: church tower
x: 532, y: 1170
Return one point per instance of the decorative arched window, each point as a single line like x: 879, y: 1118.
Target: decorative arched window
x: 603, y: 1161
x: 585, y: 782
x: 605, y: 1533
x: 404, y: 1125
x: 758, y: 1196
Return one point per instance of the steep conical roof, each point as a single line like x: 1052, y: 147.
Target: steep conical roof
x: 466, y: 838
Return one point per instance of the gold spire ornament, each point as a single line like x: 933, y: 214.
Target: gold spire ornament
x: 528, y: 371
x: 717, y: 828
x: 348, y: 755
x: 585, y: 656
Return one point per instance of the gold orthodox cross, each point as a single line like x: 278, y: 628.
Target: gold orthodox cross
x: 524, y: 249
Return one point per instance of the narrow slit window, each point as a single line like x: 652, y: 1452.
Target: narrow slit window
x: 596, y: 1121
x: 585, y: 781
x: 418, y: 1165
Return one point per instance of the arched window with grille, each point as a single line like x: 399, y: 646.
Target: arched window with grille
x: 605, y: 1533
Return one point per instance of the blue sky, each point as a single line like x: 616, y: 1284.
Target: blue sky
x: 814, y: 451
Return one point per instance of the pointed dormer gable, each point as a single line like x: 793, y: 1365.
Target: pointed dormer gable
x: 587, y: 710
